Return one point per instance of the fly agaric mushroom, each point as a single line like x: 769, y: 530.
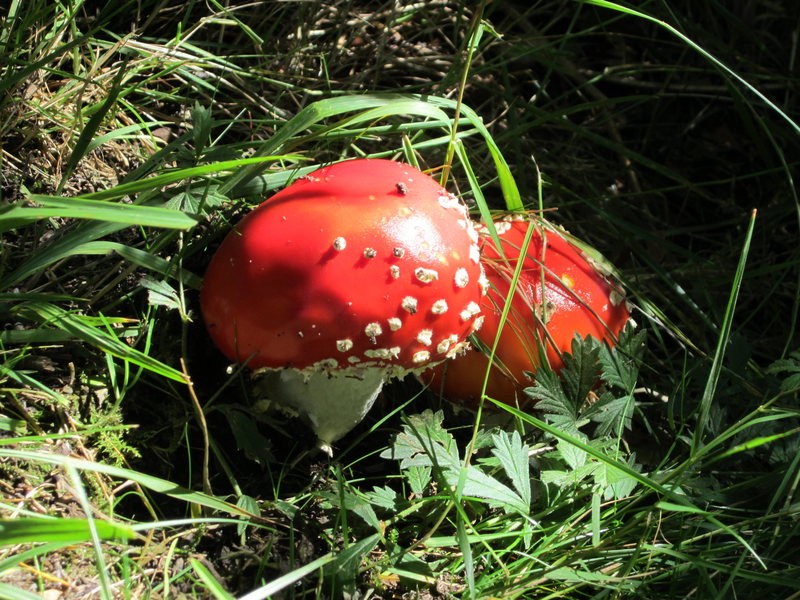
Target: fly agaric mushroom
x: 361, y: 271
x: 542, y: 320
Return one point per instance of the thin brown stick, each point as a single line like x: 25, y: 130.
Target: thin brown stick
x: 201, y: 418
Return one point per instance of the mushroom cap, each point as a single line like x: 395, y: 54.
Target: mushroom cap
x: 360, y: 264
x: 577, y: 299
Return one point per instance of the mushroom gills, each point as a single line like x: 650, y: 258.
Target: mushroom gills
x: 331, y: 404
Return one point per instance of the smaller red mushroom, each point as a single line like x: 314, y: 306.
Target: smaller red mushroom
x: 359, y: 272
x: 542, y: 320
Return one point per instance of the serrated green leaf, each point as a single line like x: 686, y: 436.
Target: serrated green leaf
x: 621, y: 363
x: 160, y: 293
x: 513, y: 456
x: 483, y: 437
x: 574, y: 575
x: 791, y: 383
x: 385, y: 497
x: 343, y: 569
x: 574, y: 456
x: 563, y: 479
x: 197, y: 198
x: 347, y: 500
x: 549, y: 394
x: 424, y: 443
x: 249, y: 504
x: 611, y: 414
x: 419, y: 478
x: 614, y: 483
x: 581, y: 370
x: 249, y: 438
x: 789, y: 365
x: 478, y: 484
x: 650, y: 482
x: 201, y: 126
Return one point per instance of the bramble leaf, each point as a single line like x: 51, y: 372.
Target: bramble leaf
x: 424, y: 443
x: 789, y: 365
x: 418, y: 478
x: 202, y: 122
x: 581, y: 370
x: 480, y: 485
x: 614, y: 483
x: 621, y: 364
x: 572, y: 455
x: 611, y: 414
x: 384, y: 497
x: 347, y: 500
x: 549, y: 395
x: 513, y: 456
x: 160, y: 293
x: 425, y: 448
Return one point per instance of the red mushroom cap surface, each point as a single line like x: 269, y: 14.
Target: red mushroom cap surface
x: 360, y: 264
x: 577, y: 299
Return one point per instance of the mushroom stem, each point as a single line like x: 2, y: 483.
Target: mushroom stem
x: 331, y: 404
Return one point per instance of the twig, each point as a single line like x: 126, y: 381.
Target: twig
x: 201, y: 417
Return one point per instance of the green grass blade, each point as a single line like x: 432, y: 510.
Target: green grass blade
x: 71, y: 243
x: 689, y: 42
x: 679, y: 499
x: 159, y: 181
x: 211, y: 583
x: 466, y: 552
x: 80, y: 208
x: 88, y: 132
x: 373, y: 107
x: 142, y: 259
x: 506, y: 179
x: 722, y: 342
x: 9, y: 592
x: 63, y: 531
x: 52, y: 315
x: 284, y: 581
x: 10, y: 562
x: 24, y: 379
x: 475, y: 186
x: 94, y: 535
x: 63, y: 247
x: 12, y: 77
x: 122, y: 133
x: 150, y: 482
x: 716, y: 566
x: 367, y: 107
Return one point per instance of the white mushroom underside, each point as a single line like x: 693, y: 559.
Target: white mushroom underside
x: 332, y: 405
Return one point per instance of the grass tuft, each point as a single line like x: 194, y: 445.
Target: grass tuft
x: 133, y: 135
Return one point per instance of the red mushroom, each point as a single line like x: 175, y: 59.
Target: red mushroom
x: 577, y: 299
x: 358, y: 272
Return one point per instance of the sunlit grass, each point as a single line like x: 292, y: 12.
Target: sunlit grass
x: 128, y: 153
